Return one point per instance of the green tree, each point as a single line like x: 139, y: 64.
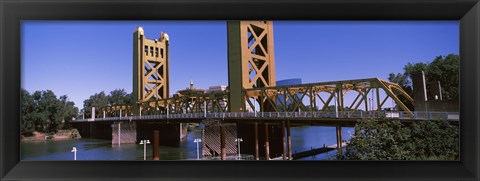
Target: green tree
x: 400, y: 79
x: 443, y: 68
x: 435, y: 140
x: 412, y: 68
x: 446, y: 70
x: 390, y: 140
x: 49, y: 106
x: 43, y: 112
x: 27, y: 125
x: 403, y: 81
x: 119, y: 97
x: 67, y: 112
x: 97, y: 100
x: 379, y: 141
x: 311, y: 108
x: 38, y: 116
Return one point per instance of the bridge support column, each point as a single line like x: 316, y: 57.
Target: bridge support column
x: 257, y: 156
x: 222, y: 143
x: 289, y: 142
x: 252, y: 135
x: 156, y: 143
x: 169, y: 132
x: 339, y: 139
x: 124, y: 132
x: 267, y: 148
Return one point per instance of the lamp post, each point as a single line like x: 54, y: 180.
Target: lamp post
x: 238, y: 140
x: 198, y: 140
x: 144, y: 143
x: 74, y: 150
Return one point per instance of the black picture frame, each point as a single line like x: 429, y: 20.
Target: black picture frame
x: 12, y: 12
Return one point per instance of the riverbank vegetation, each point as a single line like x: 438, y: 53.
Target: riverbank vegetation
x: 43, y: 112
x: 63, y: 134
x: 391, y: 140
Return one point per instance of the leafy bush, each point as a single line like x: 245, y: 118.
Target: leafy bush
x: 391, y: 140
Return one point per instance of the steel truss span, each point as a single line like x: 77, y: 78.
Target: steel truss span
x: 319, y: 95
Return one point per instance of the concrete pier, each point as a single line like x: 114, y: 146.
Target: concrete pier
x: 156, y: 144
x: 257, y: 155
x: 222, y: 143
x: 124, y: 132
x: 254, y: 134
x: 267, y: 146
x: 339, y: 138
x: 170, y: 133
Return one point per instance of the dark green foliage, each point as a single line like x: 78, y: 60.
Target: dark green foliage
x: 400, y: 79
x: 390, y: 140
x: 412, y: 68
x: 99, y: 100
x: 435, y: 139
x: 403, y: 81
x: 67, y: 112
x: 119, y: 97
x: 379, y: 141
x: 27, y: 125
x: 443, y: 68
x: 43, y: 112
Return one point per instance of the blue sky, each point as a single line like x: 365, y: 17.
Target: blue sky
x: 81, y: 58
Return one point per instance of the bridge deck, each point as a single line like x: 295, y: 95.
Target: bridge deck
x: 295, y: 118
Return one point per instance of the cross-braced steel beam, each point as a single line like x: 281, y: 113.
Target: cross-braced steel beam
x: 250, y: 59
x: 320, y: 96
x: 150, y: 68
x: 193, y: 103
x: 314, y: 97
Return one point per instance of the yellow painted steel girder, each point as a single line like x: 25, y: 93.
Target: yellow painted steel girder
x: 150, y: 67
x: 362, y: 86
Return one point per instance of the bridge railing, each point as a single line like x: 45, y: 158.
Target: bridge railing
x: 299, y: 115
x: 341, y: 114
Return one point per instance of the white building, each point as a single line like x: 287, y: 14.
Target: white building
x: 220, y: 88
x: 217, y: 88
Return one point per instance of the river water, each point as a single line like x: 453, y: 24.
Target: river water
x: 303, y: 138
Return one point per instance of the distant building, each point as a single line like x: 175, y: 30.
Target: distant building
x: 284, y: 83
x: 289, y: 82
x: 190, y: 91
x: 217, y: 88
